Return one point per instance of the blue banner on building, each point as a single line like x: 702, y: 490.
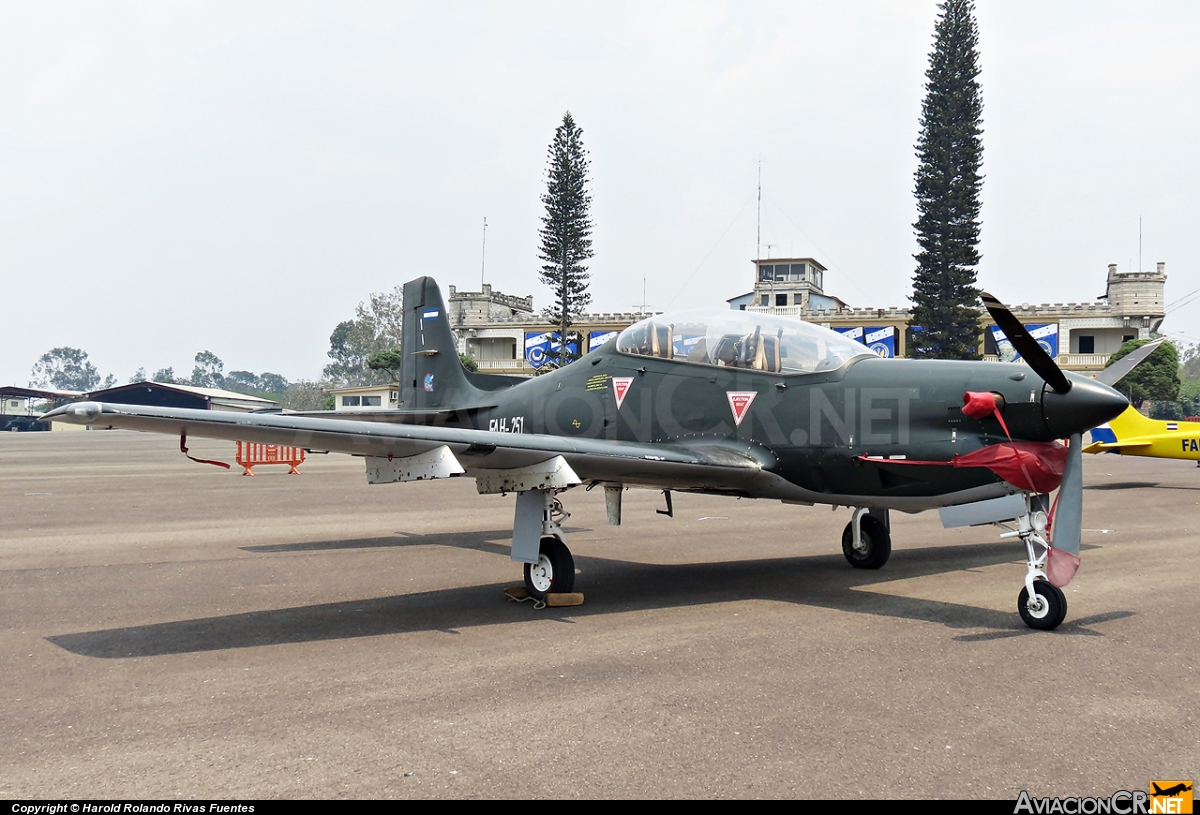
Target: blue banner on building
x: 881, y: 340
x: 598, y: 338
x: 1046, y: 335
x: 542, y: 348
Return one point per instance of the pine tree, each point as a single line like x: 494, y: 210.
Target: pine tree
x: 950, y: 148
x: 566, y: 231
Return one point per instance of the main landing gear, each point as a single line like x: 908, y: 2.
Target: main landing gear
x: 866, y: 541
x: 549, y: 568
x: 554, y: 571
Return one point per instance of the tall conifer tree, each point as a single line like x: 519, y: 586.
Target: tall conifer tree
x: 566, y: 231
x: 950, y: 148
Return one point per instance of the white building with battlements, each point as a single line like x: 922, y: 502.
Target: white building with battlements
x: 504, y: 334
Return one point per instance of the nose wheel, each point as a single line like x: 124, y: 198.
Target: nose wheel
x: 874, y: 544
x: 1046, y: 609
x: 554, y: 570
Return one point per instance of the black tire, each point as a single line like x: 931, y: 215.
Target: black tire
x: 1054, y: 609
x: 878, y: 543
x: 554, y: 572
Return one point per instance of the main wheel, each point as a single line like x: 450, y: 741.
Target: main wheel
x: 554, y: 571
x: 876, y: 544
x: 1049, y: 608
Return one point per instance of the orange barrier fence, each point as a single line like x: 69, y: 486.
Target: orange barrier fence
x: 251, y: 454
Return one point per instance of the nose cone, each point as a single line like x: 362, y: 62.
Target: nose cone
x: 1088, y: 404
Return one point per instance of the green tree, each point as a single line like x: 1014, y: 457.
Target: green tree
x: 387, y: 362
x: 1156, y: 378
x: 242, y: 381
x: 304, y: 395
x: 1189, y: 362
x: 266, y: 384
x: 272, y: 383
x: 378, y: 325
x: 566, y: 231
x: 948, y: 183
x: 66, y: 369
x: 209, y: 371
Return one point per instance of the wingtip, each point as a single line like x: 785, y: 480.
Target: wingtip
x: 75, y: 413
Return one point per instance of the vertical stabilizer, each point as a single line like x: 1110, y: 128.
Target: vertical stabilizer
x: 431, y: 375
x: 1132, y: 424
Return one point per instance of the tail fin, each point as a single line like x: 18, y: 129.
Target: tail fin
x: 1132, y: 424
x: 431, y: 375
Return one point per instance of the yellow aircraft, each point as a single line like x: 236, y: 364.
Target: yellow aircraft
x: 1132, y: 434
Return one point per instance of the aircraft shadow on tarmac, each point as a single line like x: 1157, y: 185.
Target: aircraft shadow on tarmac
x: 1139, y: 485
x: 493, y: 541
x: 613, y: 586
x: 1122, y: 485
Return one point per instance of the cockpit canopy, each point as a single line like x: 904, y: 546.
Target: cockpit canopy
x: 740, y: 339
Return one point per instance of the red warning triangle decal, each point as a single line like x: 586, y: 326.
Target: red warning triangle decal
x: 621, y: 387
x: 739, y: 403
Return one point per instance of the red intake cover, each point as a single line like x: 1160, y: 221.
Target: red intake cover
x: 979, y: 404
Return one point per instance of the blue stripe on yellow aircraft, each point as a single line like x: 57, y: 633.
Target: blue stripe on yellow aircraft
x: 1132, y: 434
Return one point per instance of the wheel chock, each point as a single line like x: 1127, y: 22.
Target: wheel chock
x: 519, y: 594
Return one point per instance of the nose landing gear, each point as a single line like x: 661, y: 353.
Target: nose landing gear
x: 1041, y: 604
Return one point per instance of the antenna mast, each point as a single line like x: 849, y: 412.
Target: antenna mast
x: 483, y: 258
x: 758, y: 227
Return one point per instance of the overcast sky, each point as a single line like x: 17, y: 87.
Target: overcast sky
x: 236, y: 177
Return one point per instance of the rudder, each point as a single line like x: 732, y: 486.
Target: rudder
x: 431, y: 375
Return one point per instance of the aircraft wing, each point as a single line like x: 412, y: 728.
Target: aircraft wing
x: 715, y: 467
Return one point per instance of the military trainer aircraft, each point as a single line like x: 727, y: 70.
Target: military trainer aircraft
x: 727, y: 402
x: 1132, y: 434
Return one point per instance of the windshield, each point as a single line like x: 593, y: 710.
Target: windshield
x: 739, y: 339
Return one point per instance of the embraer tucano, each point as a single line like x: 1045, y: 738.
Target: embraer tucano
x: 727, y: 402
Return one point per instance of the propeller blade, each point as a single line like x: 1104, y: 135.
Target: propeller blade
x: 1063, y: 557
x: 1112, y: 374
x: 1033, y: 354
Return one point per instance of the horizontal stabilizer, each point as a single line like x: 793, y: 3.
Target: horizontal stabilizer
x: 1102, y: 446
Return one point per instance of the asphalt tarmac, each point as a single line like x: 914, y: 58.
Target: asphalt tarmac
x: 170, y: 629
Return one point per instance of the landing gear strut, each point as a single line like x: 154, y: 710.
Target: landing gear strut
x: 872, y: 546
x: 1042, y: 605
x: 552, y: 570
